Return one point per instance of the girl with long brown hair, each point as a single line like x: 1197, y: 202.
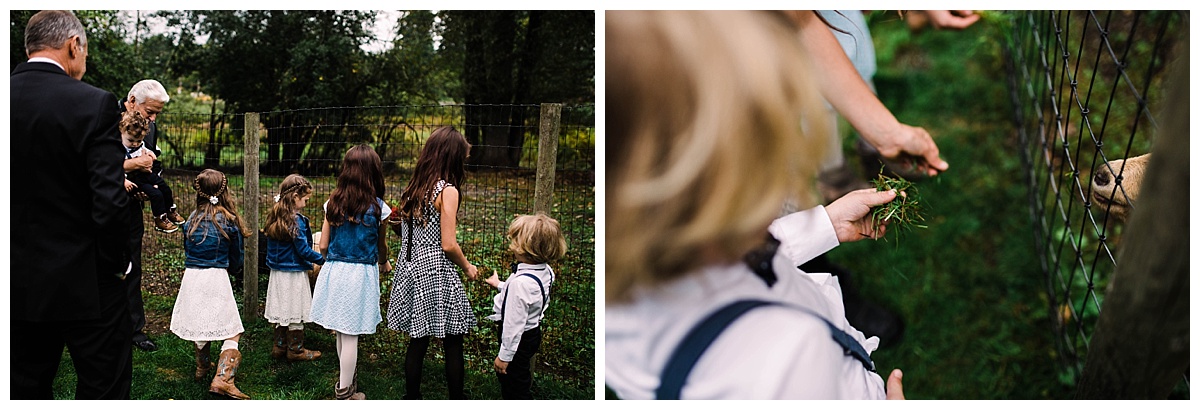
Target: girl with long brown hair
x: 428, y: 299
x: 353, y: 240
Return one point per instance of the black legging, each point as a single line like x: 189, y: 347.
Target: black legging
x: 414, y: 361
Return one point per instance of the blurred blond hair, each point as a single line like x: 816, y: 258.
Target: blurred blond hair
x: 704, y: 138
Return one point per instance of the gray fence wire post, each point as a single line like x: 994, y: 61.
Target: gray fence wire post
x: 250, y: 215
x: 548, y: 125
x: 1140, y: 346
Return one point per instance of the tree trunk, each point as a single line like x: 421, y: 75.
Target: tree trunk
x: 1140, y: 347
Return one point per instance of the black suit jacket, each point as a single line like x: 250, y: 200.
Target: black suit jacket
x: 69, y: 224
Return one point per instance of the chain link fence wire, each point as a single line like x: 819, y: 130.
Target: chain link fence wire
x: 312, y: 142
x: 1084, y: 86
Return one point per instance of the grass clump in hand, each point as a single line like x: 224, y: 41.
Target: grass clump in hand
x: 904, y: 212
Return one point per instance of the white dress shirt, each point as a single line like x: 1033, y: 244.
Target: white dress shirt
x: 769, y: 353
x: 46, y: 60
x: 525, y: 305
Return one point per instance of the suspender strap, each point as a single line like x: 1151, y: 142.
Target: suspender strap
x: 688, y: 352
x: 504, y: 304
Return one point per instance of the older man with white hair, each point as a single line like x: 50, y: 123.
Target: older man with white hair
x: 147, y: 97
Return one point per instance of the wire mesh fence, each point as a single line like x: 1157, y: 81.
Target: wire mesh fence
x: 1084, y: 86
x: 312, y: 142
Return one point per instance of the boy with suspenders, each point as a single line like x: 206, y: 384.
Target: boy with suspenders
x: 536, y: 240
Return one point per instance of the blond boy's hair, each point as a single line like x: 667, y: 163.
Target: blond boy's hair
x: 536, y: 237
x: 705, y: 139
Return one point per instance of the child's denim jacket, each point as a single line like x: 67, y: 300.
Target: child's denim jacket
x: 296, y: 254
x: 206, y: 248
x: 357, y: 242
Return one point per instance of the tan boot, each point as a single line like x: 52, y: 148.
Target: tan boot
x: 203, y: 362
x: 349, y: 393
x: 296, y: 351
x: 279, y: 349
x: 222, y: 382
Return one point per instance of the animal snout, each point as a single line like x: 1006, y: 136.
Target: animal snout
x: 1102, y: 177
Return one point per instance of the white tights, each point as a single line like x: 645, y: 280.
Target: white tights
x: 347, y: 350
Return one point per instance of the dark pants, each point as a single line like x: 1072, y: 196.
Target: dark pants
x: 161, y: 198
x: 133, y: 282
x: 414, y: 361
x: 99, y: 349
x: 516, y: 384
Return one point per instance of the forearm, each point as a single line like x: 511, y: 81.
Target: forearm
x: 804, y: 235
x: 514, y: 327
x: 841, y: 85
x: 456, y: 255
x: 383, y: 248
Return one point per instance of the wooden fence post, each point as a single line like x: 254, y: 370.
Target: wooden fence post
x: 548, y: 124
x: 1140, y: 347
x: 250, y: 216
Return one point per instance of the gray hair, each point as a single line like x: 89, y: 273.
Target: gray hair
x: 148, y: 90
x: 49, y: 29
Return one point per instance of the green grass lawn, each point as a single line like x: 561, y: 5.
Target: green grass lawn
x: 969, y: 287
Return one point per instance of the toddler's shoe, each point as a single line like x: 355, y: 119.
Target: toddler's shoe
x: 163, y: 224
x: 174, y: 216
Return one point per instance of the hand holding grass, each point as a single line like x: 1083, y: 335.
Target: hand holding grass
x: 851, y: 218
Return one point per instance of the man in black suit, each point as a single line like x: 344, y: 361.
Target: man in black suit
x: 69, y: 234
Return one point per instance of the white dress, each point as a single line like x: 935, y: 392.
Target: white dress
x: 205, y: 309
x: 769, y: 353
x: 289, y: 298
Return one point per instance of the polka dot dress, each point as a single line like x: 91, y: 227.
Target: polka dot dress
x: 427, y: 296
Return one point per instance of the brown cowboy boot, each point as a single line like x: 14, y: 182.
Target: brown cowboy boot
x: 349, y: 393
x: 222, y: 382
x: 296, y: 351
x: 279, y: 349
x: 203, y: 361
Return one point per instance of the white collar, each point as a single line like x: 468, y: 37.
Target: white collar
x: 47, y: 60
x: 529, y: 266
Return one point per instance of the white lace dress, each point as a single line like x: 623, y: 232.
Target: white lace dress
x: 427, y: 297
x: 205, y: 309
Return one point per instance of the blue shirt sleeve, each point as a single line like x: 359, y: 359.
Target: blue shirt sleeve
x: 235, y: 248
x: 302, y: 245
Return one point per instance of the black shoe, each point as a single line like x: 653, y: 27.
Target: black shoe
x: 146, y: 345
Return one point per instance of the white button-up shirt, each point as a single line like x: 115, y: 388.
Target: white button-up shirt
x: 769, y: 353
x: 525, y: 305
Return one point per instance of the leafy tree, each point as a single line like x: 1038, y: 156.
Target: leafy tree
x: 111, y: 64
x: 517, y: 57
x: 272, y: 60
x: 411, y: 72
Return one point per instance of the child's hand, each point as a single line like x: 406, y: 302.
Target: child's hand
x: 849, y: 214
x: 493, y: 280
x: 129, y: 186
x: 501, y: 366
